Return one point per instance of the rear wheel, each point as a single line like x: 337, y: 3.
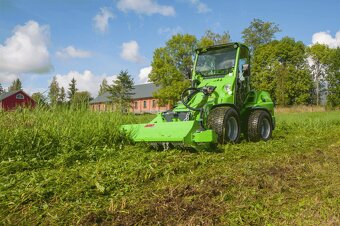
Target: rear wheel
x: 226, y: 123
x: 259, y: 126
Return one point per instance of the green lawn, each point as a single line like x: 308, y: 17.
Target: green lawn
x: 75, y: 168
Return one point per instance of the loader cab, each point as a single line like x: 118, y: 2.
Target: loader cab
x: 229, y: 62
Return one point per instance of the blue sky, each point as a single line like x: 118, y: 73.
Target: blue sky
x: 91, y: 40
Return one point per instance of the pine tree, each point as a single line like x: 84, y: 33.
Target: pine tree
x: 16, y: 85
x: 62, y: 95
x: 1, y: 89
x: 104, y: 87
x: 72, y: 89
x: 54, y: 92
x: 121, y: 91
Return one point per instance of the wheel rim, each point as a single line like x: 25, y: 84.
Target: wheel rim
x: 265, y: 128
x: 232, y: 128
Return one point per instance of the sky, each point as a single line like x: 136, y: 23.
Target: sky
x: 90, y: 40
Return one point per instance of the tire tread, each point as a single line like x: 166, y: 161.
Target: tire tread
x: 216, y: 122
x: 253, y: 133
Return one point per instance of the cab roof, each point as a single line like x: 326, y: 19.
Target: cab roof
x: 220, y: 46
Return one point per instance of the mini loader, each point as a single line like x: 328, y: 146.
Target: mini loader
x: 217, y: 108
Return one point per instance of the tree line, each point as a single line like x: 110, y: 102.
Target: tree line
x: 290, y: 71
x: 16, y: 85
x: 120, y: 93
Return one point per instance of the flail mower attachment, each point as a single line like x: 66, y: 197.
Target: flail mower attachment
x: 181, y: 127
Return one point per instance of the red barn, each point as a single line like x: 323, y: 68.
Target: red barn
x: 14, y: 99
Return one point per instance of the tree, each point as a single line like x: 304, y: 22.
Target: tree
x: 62, y: 96
x: 333, y: 79
x: 1, y: 89
x: 104, y: 87
x: 259, y: 33
x: 121, y: 91
x: 171, y: 66
x: 53, y: 93
x: 72, y: 89
x: 319, y: 61
x: 280, y: 68
x: 16, y: 85
x: 81, y: 100
x: 39, y: 98
x: 212, y: 38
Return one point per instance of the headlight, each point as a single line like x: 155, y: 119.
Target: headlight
x: 227, y: 88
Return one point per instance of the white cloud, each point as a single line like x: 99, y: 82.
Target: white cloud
x: 26, y: 50
x: 170, y: 31
x: 147, y: 7
x: 101, y: 20
x: 86, y: 81
x: 72, y: 52
x: 144, y: 74
x: 200, y: 6
x: 130, y: 52
x: 327, y: 39
x: 7, y: 77
x: 30, y: 90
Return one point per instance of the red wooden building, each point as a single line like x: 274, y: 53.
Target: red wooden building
x: 14, y: 99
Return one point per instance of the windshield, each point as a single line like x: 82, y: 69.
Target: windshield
x: 216, y: 62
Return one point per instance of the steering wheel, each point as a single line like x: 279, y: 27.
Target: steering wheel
x: 206, y: 90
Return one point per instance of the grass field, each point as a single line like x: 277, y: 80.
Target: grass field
x: 75, y: 168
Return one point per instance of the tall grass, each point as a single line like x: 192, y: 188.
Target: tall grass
x: 41, y: 134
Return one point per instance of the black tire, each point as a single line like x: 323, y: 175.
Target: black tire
x: 225, y: 122
x: 260, y: 126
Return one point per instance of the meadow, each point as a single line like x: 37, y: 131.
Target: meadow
x: 75, y: 167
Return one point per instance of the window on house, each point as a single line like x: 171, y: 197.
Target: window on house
x: 136, y: 104
x: 144, y: 103
x: 153, y: 103
x: 19, y: 96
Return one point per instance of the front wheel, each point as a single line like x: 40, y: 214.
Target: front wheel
x: 226, y: 123
x: 259, y: 126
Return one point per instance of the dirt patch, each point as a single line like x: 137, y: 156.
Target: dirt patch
x: 184, y: 205
x: 187, y: 205
x: 278, y: 171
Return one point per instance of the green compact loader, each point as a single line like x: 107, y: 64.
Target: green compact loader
x: 217, y: 108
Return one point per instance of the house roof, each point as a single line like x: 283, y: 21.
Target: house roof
x: 101, y: 98
x: 139, y: 91
x: 7, y: 94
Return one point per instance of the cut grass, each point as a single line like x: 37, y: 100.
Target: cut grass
x: 292, y: 179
